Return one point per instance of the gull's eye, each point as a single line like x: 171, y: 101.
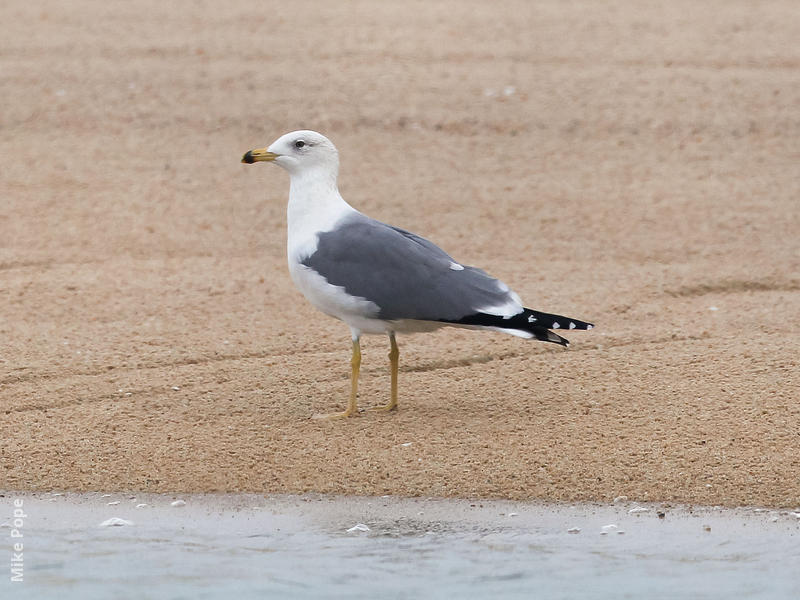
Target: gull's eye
x: 299, y: 144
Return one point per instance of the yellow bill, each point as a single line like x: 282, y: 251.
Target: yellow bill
x: 258, y: 155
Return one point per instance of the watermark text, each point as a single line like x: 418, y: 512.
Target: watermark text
x: 17, y: 546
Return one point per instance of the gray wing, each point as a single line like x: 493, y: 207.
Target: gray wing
x: 405, y: 275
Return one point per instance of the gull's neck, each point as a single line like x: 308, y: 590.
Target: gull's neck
x: 315, y: 205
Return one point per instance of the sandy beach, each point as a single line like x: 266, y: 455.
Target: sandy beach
x: 630, y: 164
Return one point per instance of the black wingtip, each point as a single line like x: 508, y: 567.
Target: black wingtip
x: 551, y: 321
x: 542, y: 334
x: 529, y: 321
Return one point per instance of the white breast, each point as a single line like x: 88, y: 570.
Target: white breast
x: 333, y: 300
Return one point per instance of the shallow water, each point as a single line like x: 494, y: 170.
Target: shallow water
x: 249, y: 546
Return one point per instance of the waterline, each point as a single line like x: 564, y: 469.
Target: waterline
x: 252, y: 546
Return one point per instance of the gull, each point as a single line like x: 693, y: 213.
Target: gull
x: 380, y: 279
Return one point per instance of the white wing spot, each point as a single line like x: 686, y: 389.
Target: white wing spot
x: 589, y: 326
x: 555, y: 325
x: 572, y: 325
x: 531, y: 319
x: 456, y: 266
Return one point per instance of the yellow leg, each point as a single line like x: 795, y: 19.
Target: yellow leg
x: 394, y: 356
x: 355, y: 363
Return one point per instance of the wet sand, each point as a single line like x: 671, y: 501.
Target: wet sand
x: 630, y: 164
x: 386, y: 516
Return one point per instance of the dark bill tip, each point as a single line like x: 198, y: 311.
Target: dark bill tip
x: 248, y: 157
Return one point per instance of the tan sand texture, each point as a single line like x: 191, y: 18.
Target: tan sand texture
x: 634, y: 164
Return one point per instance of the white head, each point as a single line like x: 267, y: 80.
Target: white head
x: 299, y: 152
